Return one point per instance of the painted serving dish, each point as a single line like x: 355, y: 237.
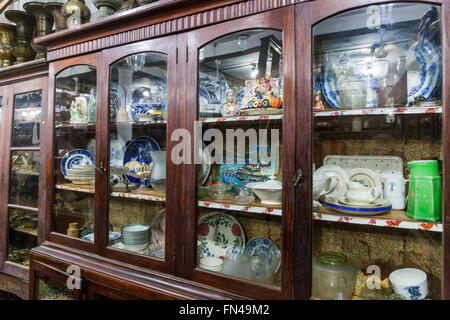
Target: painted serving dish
x: 139, y: 150
x: 382, y: 207
x: 217, y: 232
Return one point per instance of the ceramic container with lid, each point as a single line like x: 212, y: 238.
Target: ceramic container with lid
x: 333, y: 276
x: 270, y: 191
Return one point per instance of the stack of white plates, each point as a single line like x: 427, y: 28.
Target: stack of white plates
x: 342, y: 205
x: 81, y: 174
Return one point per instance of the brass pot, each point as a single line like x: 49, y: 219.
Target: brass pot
x: 25, y: 25
x: 44, y: 24
x: 106, y: 7
x: 54, y: 8
x: 76, y: 13
x: 7, y: 42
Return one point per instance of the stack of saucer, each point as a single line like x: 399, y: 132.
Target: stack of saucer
x: 82, y: 175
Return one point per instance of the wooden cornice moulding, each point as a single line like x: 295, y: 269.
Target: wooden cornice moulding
x: 150, y: 22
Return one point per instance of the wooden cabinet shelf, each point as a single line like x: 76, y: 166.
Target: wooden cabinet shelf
x: 378, y: 111
x: 252, y: 207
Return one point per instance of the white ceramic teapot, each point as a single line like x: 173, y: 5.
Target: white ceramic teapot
x: 359, y: 194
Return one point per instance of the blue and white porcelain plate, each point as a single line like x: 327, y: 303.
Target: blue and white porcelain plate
x: 76, y: 157
x: 205, y: 168
x: 263, y: 247
x: 215, y: 86
x: 146, y: 101
x: 112, y: 236
x: 139, y: 150
x: 424, y: 66
x: 116, y: 150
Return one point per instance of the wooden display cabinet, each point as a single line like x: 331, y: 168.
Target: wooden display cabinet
x: 180, y: 57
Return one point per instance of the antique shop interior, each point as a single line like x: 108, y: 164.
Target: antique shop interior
x: 224, y: 149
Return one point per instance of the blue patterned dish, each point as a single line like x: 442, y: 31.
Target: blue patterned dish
x: 146, y: 105
x: 265, y: 248
x: 76, y: 157
x: 116, y: 149
x: 139, y: 150
x: 205, y: 168
x: 424, y: 69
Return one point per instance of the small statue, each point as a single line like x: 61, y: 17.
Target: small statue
x: 230, y: 108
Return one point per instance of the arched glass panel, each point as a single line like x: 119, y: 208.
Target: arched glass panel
x: 138, y: 108
x: 239, y: 216
x: 74, y: 166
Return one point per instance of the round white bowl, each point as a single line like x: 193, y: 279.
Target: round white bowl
x: 410, y: 282
x: 211, y: 263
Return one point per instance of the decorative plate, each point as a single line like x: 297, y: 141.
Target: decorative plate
x: 240, y: 96
x: 139, y: 150
x: 112, y: 236
x: 265, y: 248
x: 116, y: 98
x: 356, y: 210
x: 341, y: 177
x: 205, y: 168
x: 146, y: 105
x: 215, y: 84
x: 76, y: 156
x: 219, y: 231
x: 116, y: 150
x: 367, y: 178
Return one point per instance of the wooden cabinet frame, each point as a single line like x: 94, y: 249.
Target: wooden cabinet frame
x: 8, y: 92
x: 180, y: 36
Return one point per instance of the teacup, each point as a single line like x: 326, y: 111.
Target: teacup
x: 359, y: 194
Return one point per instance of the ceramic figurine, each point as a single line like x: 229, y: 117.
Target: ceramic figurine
x: 78, y: 110
x: 76, y: 12
x: 230, y: 108
x: 262, y: 97
x: 318, y: 105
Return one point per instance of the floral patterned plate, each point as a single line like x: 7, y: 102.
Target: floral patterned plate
x: 219, y: 231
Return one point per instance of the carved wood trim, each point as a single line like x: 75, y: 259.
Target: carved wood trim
x: 196, y: 20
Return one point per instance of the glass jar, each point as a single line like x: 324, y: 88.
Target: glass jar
x: 333, y: 276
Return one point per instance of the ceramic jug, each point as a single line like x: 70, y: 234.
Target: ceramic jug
x: 394, y: 190
x: 158, y: 173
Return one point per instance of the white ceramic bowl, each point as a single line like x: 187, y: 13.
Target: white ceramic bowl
x: 410, y: 282
x: 211, y: 263
x: 270, y: 192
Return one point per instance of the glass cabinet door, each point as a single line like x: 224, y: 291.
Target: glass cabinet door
x: 137, y: 159
x: 24, y: 153
x: 239, y: 157
x: 377, y: 154
x: 74, y: 152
